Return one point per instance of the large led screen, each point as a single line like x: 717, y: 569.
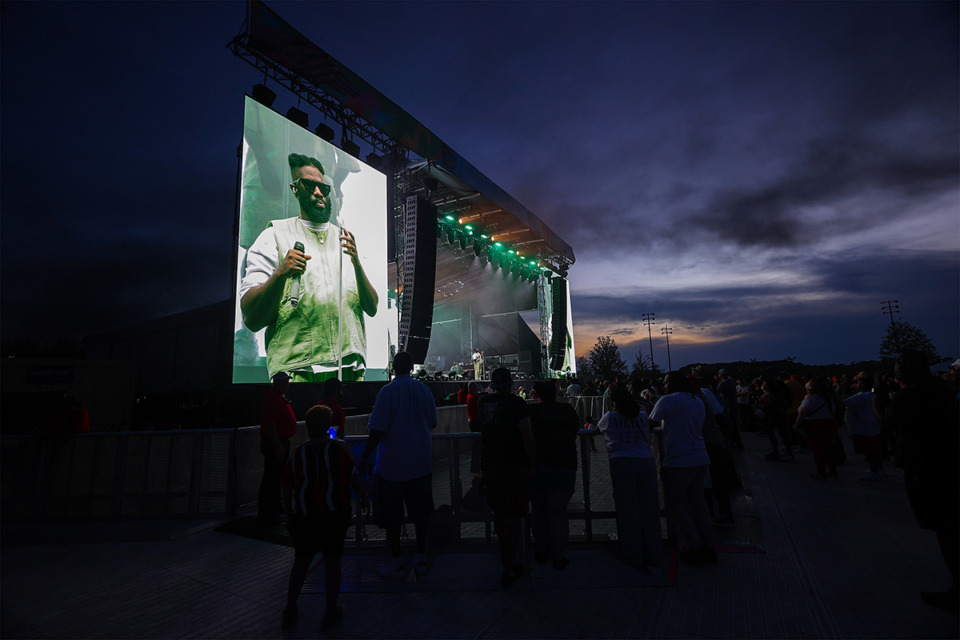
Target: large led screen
x: 311, y: 295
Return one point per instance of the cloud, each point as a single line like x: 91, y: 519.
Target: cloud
x: 832, y: 170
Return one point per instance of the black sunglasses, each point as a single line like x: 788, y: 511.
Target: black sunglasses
x: 309, y: 186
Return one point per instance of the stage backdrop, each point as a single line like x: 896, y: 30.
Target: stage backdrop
x: 358, y: 204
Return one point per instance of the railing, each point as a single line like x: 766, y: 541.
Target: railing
x: 216, y: 473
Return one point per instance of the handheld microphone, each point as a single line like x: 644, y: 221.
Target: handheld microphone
x: 295, y: 289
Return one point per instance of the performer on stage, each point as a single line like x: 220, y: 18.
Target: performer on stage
x: 298, y: 288
x: 477, y: 363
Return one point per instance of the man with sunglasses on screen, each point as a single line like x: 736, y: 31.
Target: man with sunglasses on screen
x: 298, y: 287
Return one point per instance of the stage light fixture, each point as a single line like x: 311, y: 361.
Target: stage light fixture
x: 463, y: 242
x: 264, y: 95
x: 451, y: 236
x: 324, y: 132
x: 477, y: 248
x: 298, y: 117
x: 351, y: 147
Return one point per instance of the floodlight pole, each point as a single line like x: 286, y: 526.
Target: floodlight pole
x: 889, y: 307
x: 666, y: 331
x: 648, y: 318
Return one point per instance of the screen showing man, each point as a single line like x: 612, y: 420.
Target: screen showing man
x: 296, y: 294
x: 307, y: 296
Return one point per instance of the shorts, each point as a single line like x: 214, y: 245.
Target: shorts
x: 325, y: 533
x: 508, y: 490
x: 416, y: 494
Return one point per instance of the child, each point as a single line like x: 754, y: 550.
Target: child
x: 316, y: 501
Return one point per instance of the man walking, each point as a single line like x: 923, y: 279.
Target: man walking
x: 401, y: 424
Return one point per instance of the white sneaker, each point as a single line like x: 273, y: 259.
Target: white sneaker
x: 393, y: 571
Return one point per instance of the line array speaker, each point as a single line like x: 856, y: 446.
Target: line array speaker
x: 419, y: 276
x: 558, y: 341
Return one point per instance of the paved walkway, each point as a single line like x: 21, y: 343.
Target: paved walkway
x: 811, y: 559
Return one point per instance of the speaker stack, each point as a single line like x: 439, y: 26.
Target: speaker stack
x: 419, y: 276
x: 558, y: 343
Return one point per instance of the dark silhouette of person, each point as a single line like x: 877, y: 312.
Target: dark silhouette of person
x: 507, y: 461
x: 317, y: 508
x: 924, y: 416
x: 278, y: 424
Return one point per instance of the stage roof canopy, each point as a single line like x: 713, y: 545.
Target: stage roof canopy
x: 436, y: 173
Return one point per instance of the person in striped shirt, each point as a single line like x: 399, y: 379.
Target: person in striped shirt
x: 317, y: 505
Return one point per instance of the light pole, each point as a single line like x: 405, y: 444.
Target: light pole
x: 888, y: 307
x: 666, y: 331
x: 648, y: 318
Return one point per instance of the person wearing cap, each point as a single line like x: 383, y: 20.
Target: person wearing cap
x: 507, y: 461
x: 401, y: 432
x: 278, y: 424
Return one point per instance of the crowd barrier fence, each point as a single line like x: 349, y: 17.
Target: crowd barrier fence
x: 215, y: 474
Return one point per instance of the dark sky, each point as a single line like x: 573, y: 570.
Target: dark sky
x: 760, y: 176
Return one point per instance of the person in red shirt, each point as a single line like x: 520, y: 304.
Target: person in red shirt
x: 317, y: 508
x: 277, y: 425
x: 332, y: 394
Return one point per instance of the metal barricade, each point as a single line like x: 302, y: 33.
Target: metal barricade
x: 216, y: 474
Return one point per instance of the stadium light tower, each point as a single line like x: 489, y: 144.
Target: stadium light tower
x: 889, y: 307
x: 648, y: 319
x: 666, y: 331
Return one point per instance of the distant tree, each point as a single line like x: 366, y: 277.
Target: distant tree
x: 642, y: 370
x: 903, y: 335
x: 605, y: 359
x: 584, y: 368
x: 642, y: 367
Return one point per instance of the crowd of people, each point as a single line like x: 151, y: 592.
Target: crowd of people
x: 527, y: 460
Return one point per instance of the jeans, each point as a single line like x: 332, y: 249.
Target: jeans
x: 550, y: 494
x: 638, y: 510
x: 687, y: 514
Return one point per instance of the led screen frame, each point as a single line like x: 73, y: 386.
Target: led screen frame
x: 358, y: 202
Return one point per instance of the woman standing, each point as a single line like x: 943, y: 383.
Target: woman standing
x: 864, y: 425
x: 816, y: 417
x: 633, y: 474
